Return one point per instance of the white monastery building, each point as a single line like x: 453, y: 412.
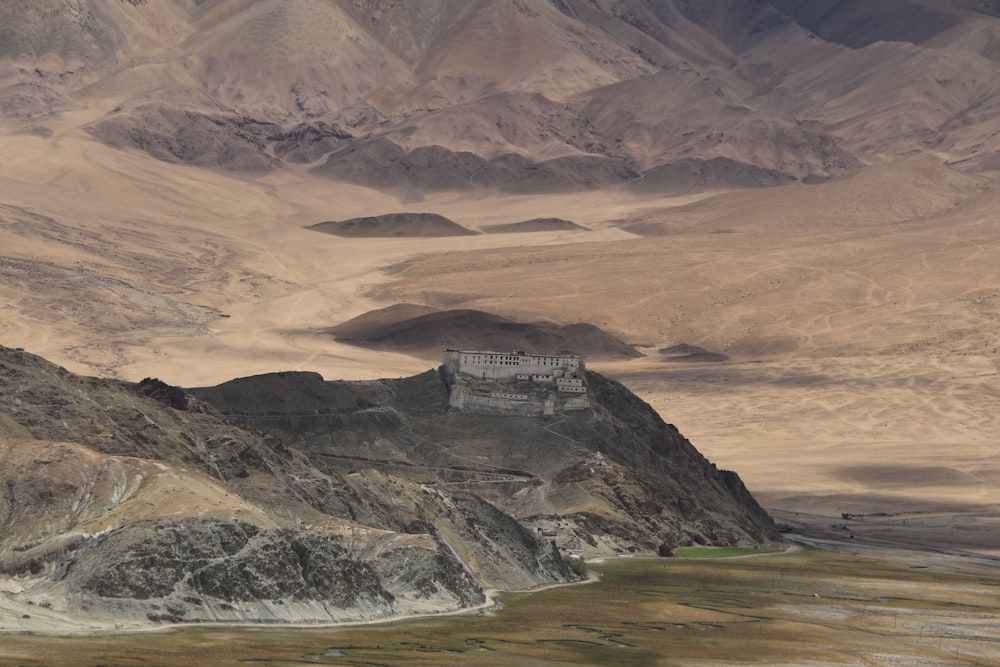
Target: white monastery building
x: 512, y: 365
x: 515, y: 381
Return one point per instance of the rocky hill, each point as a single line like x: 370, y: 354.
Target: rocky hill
x: 318, y: 501
x: 423, y: 331
x: 612, y: 478
x: 419, y: 225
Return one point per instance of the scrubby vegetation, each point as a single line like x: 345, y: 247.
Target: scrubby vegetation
x: 720, y: 552
x: 809, y: 607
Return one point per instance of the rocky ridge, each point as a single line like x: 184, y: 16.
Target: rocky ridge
x: 324, y: 501
x: 142, y: 504
x: 613, y: 478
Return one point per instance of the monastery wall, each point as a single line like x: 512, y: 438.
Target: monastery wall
x: 508, y: 366
x: 515, y: 382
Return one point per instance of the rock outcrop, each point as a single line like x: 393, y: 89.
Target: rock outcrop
x: 607, y: 479
x: 319, y: 501
x: 141, y: 503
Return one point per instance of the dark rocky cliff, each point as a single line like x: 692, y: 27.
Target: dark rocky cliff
x: 143, y: 504
x: 644, y: 482
x: 285, y: 497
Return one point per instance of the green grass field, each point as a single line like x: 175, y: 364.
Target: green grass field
x: 812, y: 607
x: 720, y: 552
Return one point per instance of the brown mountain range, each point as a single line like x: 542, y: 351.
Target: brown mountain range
x: 530, y: 94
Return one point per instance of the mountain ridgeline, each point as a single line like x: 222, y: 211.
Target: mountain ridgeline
x: 287, y: 498
x: 525, y: 96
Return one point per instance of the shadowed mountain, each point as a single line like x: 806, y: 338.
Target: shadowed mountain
x: 535, y: 225
x: 383, y: 164
x: 858, y: 24
x: 175, y: 134
x: 425, y: 332
x: 695, y: 175
x: 418, y: 225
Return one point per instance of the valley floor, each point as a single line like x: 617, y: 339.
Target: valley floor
x: 807, y: 607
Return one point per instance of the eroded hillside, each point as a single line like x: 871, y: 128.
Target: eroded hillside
x: 528, y: 96
x: 141, y: 503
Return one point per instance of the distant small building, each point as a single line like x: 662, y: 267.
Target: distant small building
x: 571, y: 385
x: 510, y: 365
x: 515, y: 381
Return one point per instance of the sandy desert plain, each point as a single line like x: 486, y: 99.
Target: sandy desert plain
x: 858, y: 317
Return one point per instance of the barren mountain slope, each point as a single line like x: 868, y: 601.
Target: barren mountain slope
x: 461, y: 51
x: 891, y: 100
x: 680, y: 114
x: 506, y: 122
x: 612, y: 475
x: 805, y: 90
x: 142, y: 504
x: 288, y: 60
